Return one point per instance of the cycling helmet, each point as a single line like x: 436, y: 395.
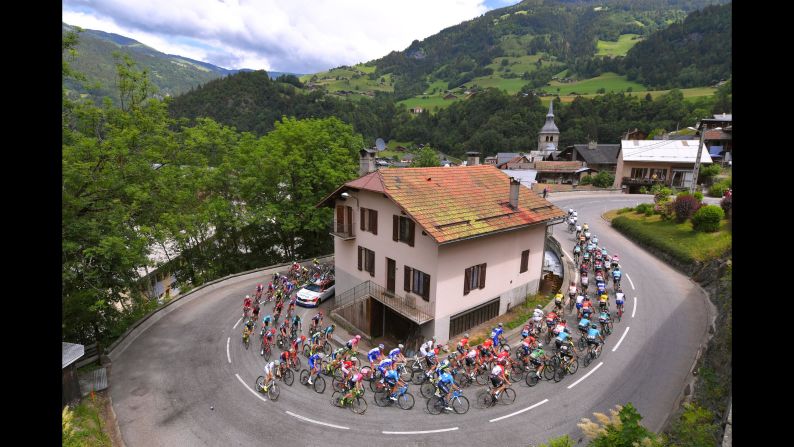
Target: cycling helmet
x: 500, y: 325
x: 434, y: 338
x: 466, y: 335
x: 353, y: 359
x: 594, y: 326
x: 570, y: 210
x: 320, y: 355
x: 400, y: 346
x: 380, y: 346
x: 358, y: 337
x: 303, y: 338
x: 444, y: 364
x: 538, y: 307
x: 278, y: 362
x: 505, y: 348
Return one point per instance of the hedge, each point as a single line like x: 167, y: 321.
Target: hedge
x: 708, y: 218
x: 644, y: 235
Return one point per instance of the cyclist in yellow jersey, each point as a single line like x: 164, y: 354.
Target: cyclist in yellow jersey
x: 603, y: 301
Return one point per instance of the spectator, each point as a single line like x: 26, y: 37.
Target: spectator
x: 545, y: 192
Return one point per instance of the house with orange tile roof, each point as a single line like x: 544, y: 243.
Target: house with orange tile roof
x: 423, y: 252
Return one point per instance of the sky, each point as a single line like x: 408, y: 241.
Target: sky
x: 296, y: 36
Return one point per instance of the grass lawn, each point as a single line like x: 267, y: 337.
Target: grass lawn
x: 513, y: 318
x: 85, y: 424
x: 679, y: 240
x: 619, y: 48
x: 610, y: 82
x: 689, y: 93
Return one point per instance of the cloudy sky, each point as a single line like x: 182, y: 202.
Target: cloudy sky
x: 299, y: 36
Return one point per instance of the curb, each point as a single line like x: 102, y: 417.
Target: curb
x: 129, y: 330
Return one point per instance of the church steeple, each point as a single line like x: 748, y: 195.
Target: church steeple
x: 549, y: 135
x: 551, y: 110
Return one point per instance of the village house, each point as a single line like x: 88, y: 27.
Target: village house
x: 412, y: 247
x: 599, y: 157
x: 560, y: 171
x: 647, y: 162
x: 519, y: 162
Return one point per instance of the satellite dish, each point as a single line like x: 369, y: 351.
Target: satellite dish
x: 380, y: 144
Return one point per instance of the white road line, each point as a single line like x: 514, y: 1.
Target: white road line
x: 418, y: 432
x: 635, y: 307
x: 316, y: 422
x: 585, y: 376
x: 520, y: 411
x: 630, y: 281
x: 227, y: 350
x: 241, y: 319
x: 249, y: 388
x: 621, y: 339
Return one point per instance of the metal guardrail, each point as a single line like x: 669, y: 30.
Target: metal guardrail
x: 411, y: 306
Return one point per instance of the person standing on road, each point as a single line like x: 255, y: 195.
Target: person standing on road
x: 545, y: 192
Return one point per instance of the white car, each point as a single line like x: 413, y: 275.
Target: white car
x: 314, y: 294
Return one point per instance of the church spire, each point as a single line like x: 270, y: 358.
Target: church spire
x: 551, y: 110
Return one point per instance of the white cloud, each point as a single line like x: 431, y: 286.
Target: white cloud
x: 286, y: 35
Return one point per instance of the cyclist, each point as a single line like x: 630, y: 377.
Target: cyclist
x: 353, y: 343
x: 470, y: 361
x: 259, y: 289
x: 314, y: 365
x: 579, y: 300
x: 339, y: 353
x: 255, y: 312
x: 279, y: 306
x: 317, y: 320
x: 283, y: 329
x: 246, y: 305
x: 604, y: 319
x: 616, y: 274
x: 463, y: 344
x: 286, y: 357
x: 603, y: 302
x: 562, y: 338
x: 562, y: 325
x: 537, y: 315
x: 375, y: 354
x: 551, y: 320
x: 615, y: 260
x: 567, y: 350
x: 537, y: 358
x: 385, y: 365
x: 269, y: 335
x: 348, y: 368
x: 248, y: 328
x: 392, y: 379
x: 587, y: 308
x: 485, y: 353
x: 496, y: 333
x: 266, y: 322
x: 584, y: 326
x: 446, y: 384
x: 498, y: 379
x: 296, y: 323
x: 619, y: 298
x: 558, y: 302
x: 594, y: 337
x: 328, y: 331
x: 269, y: 367
x: 427, y: 351
x: 354, y: 383
x: 396, y: 354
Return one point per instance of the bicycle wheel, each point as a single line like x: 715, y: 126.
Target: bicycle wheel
x: 359, y: 405
x: 259, y: 384
x: 304, y: 377
x: 574, y: 366
x: 319, y: 384
x: 327, y: 348
x: 508, y: 396
x: 306, y: 351
x: 405, y: 374
x: 460, y: 405
x: 337, y: 385
x: 434, y: 405
x: 246, y: 342
x: 598, y: 351
x: 483, y: 399
x: 273, y: 392
x: 559, y: 373
x: 335, y: 398
x: 381, y: 398
x: 406, y: 401
x: 517, y: 372
x: 418, y: 377
x: 532, y: 378
x: 482, y: 376
x: 427, y: 389
x: 462, y: 379
x: 338, y: 375
x: 587, y: 359
x: 376, y: 385
x: 366, y: 371
x: 296, y: 363
x: 288, y: 376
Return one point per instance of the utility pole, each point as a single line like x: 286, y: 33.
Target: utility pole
x: 702, y: 128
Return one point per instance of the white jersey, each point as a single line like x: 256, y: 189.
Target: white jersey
x: 619, y: 296
x: 427, y: 346
x: 269, y: 367
x: 579, y: 299
x: 497, y: 370
x: 578, y: 228
x: 571, y: 289
x: 472, y: 354
x: 537, y: 315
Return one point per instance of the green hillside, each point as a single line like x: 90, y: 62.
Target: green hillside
x: 618, y: 48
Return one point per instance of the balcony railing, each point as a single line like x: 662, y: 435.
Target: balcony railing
x: 643, y: 181
x: 410, y: 306
x: 344, y: 230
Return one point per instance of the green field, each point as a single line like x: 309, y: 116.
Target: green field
x: 429, y: 103
x: 520, y: 64
x: 354, y: 79
x: 611, y: 82
x: 689, y: 93
x: 515, y: 45
x: 619, y: 48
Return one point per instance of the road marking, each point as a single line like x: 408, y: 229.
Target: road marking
x: 418, y: 432
x: 249, y: 388
x: 241, y: 319
x: 520, y: 411
x: 316, y: 422
x: 585, y: 376
x: 621, y: 339
x: 630, y: 281
x: 227, y: 350
x: 635, y: 307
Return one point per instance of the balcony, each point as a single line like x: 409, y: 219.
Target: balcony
x: 344, y: 231
x: 643, y: 181
x: 411, y: 306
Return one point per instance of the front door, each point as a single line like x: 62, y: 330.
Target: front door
x: 391, y: 273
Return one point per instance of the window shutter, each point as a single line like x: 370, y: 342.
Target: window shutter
x: 395, y: 227
x: 482, y: 275
x: 350, y: 220
x: 524, y: 261
x: 340, y: 219
x: 373, y: 221
x: 407, y: 282
x: 411, y: 231
x: 466, y: 281
x: 359, y: 257
x: 371, y: 262
x: 426, y: 287
x: 363, y: 210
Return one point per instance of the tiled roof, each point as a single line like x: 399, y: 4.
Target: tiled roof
x: 668, y: 151
x: 370, y: 182
x: 717, y: 134
x: 517, y: 159
x: 557, y: 166
x: 461, y: 202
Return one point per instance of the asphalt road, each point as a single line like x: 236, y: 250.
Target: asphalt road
x: 167, y: 375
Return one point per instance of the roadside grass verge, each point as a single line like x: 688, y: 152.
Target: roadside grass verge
x: 83, y: 425
x: 678, y: 240
x: 512, y: 319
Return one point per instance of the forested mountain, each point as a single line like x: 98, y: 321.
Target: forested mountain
x: 171, y: 74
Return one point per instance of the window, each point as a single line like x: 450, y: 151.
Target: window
x: 682, y: 178
x: 344, y: 219
x: 660, y: 174
x: 474, y: 278
x: 369, y: 220
x: 639, y: 172
x: 417, y: 282
x: 366, y: 259
x: 403, y: 230
x: 524, y: 261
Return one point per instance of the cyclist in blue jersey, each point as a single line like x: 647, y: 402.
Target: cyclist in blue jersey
x: 584, y: 325
x: 385, y: 365
x: 561, y: 338
x: 396, y: 354
x: 374, y: 355
x: 314, y: 365
x: 495, y: 333
x: 446, y: 384
x: 594, y: 337
x: 392, y: 379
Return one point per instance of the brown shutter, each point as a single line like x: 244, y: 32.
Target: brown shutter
x: 395, y: 227
x: 411, y: 230
x: 371, y: 261
x: 524, y: 261
x: 426, y: 287
x: 359, y: 257
x: 350, y: 220
x: 407, y: 281
x: 482, y: 275
x: 466, y: 281
x: 340, y: 219
x: 373, y: 221
x: 363, y: 210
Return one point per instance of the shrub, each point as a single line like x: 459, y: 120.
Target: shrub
x: 643, y: 190
x: 625, y: 210
x: 726, y: 204
x: 694, y: 427
x: 586, y: 180
x: 707, y: 218
x: 718, y: 189
x: 698, y: 196
x: 604, y: 179
x: 707, y: 173
x: 660, y: 193
x: 666, y: 210
x: 644, y: 208
x: 684, y: 207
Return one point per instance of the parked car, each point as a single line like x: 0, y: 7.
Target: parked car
x: 314, y: 294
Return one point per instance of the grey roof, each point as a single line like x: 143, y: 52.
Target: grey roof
x: 70, y: 353
x: 502, y: 157
x: 525, y: 176
x: 550, y: 127
x: 603, y: 154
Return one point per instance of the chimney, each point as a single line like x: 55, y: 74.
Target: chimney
x: 514, y: 185
x: 474, y: 158
x: 366, y: 162
x: 592, y: 145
